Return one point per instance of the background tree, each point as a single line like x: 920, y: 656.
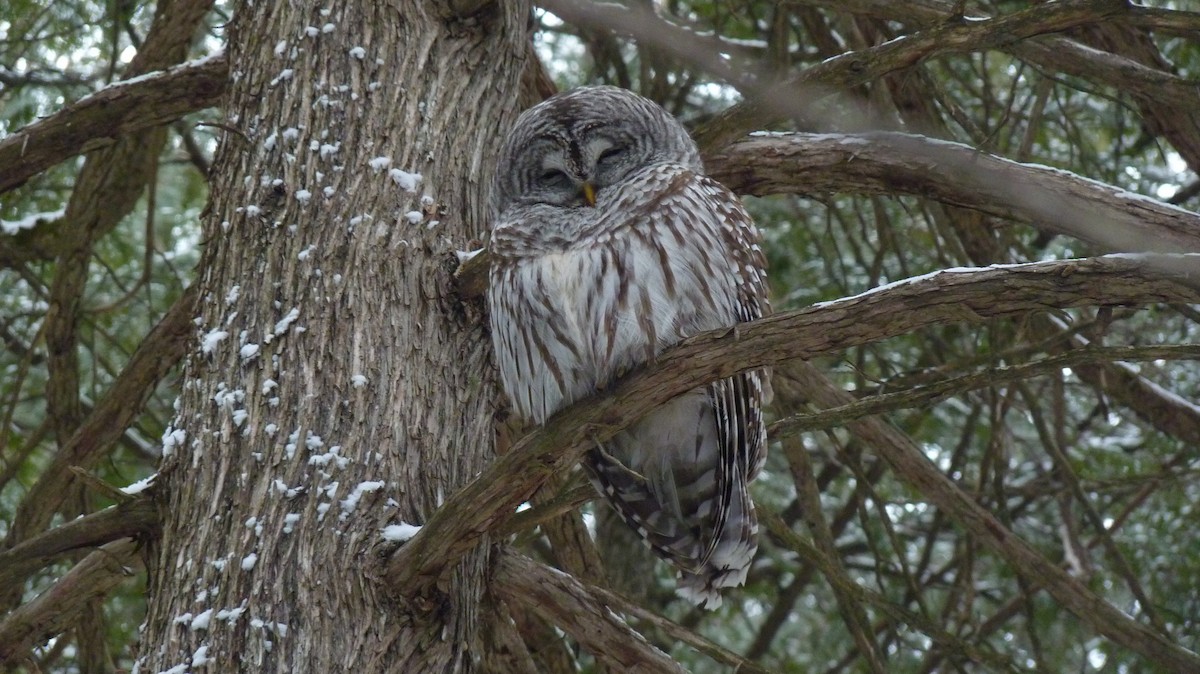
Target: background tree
x: 983, y: 469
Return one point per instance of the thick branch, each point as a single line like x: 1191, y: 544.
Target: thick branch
x: 126, y: 520
x: 97, y: 120
x: 970, y: 296
x: 58, y: 608
x: 565, y: 602
x: 889, y: 163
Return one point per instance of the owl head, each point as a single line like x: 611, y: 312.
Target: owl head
x: 567, y: 150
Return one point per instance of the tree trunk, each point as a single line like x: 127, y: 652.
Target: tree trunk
x: 336, y: 385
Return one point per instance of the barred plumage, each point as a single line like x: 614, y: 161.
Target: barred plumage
x: 610, y: 245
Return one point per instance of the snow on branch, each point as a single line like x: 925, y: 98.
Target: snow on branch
x: 100, y: 118
x: 889, y: 163
x: 961, y: 295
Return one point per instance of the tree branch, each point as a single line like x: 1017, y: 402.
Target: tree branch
x: 130, y: 519
x: 912, y: 466
x: 927, y: 394
x: 57, y: 608
x: 673, y: 630
x: 969, y: 296
x: 769, y: 99
x: 97, y: 120
x: 1166, y: 100
x: 866, y: 65
x: 843, y: 586
x: 567, y: 603
x: 953, y: 173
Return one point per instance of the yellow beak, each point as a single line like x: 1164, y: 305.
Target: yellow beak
x: 589, y: 193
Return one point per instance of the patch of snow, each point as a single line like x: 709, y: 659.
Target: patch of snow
x: 284, y: 323
x: 201, y: 621
x: 289, y: 522
x: 140, y: 486
x: 200, y: 657
x: 464, y: 255
x: 398, y: 533
x: 407, y: 181
x: 351, y: 502
x: 210, y: 341
x: 11, y: 227
x: 230, y: 615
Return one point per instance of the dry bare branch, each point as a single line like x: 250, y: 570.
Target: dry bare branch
x: 926, y: 394
x: 912, y: 466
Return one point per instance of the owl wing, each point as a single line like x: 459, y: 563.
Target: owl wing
x: 679, y: 475
x: 737, y: 405
x: 747, y: 392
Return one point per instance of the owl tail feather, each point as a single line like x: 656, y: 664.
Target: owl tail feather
x: 667, y: 477
x: 729, y: 562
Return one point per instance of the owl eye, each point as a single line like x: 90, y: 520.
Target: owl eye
x: 609, y: 155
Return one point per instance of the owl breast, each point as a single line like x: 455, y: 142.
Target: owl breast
x: 599, y: 293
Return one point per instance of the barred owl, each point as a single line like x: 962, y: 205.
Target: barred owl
x: 610, y: 245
